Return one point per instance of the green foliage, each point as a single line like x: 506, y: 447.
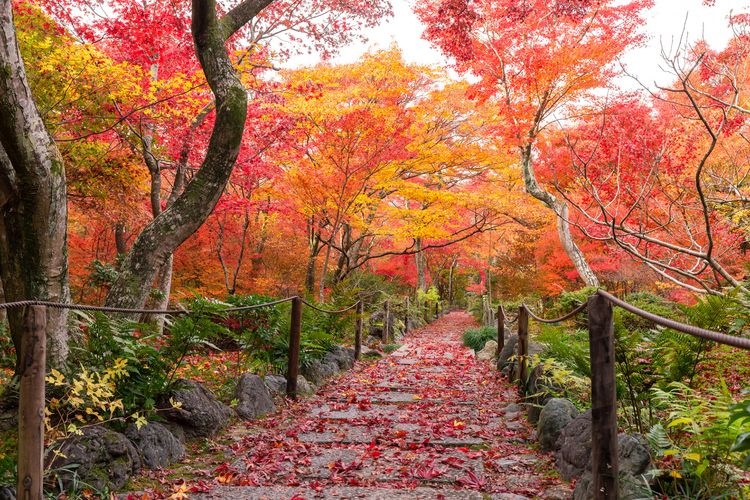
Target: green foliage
x: 696, y: 448
x: 151, y: 359
x: 102, y: 274
x: 389, y: 348
x: 556, y: 379
x: 567, y: 301
x: 7, y: 350
x: 431, y: 295
x: 8, y: 449
x: 475, y: 338
x: 253, y: 329
x: 315, y: 342
x: 740, y: 414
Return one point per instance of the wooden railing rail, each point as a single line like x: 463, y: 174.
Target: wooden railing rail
x: 603, y: 385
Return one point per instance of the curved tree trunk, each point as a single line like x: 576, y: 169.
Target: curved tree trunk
x: 563, y: 225
x: 33, y: 210
x: 181, y: 219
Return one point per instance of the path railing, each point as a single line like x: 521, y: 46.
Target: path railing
x: 604, y: 452
x: 32, y: 370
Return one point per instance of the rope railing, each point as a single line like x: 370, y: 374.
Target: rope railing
x: 124, y: 310
x: 505, y: 316
x: 339, y: 311
x: 603, y: 382
x: 721, y: 338
x: 33, y: 354
x: 554, y: 320
x: 259, y: 306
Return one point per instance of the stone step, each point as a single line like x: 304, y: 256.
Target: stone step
x: 364, y: 435
x: 338, y: 492
x: 447, y: 468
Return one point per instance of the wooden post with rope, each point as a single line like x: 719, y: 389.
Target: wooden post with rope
x: 295, y: 333
x: 31, y: 404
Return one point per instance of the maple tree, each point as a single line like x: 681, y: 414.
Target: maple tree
x: 669, y: 191
x: 403, y: 167
x: 533, y: 59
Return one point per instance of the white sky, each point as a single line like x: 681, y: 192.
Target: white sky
x: 664, y: 23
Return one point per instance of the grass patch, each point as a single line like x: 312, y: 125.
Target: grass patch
x: 389, y: 348
x: 475, y: 338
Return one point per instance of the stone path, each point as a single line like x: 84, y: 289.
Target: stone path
x: 427, y: 422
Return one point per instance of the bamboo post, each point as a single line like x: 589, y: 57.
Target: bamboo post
x: 386, y: 322
x: 604, y: 456
x: 295, y: 332
x: 523, y: 348
x: 500, y: 329
x: 31, y: 404
x: 406, y: 316
x: 358, y: 331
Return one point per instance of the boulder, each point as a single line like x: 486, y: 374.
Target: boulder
x: 156, y: 445
x: 634, y: 461
x: 488, y: 352
x: 634, y: 453
x: 342, y: 356
x: 574, y: 447
x: 318, y: 371
x: 253, y: 398
x: 540, y: 390
x: 574, y: 460
x: 304, y: 388
x: 99, y: 457
x: 507, y: 352
x: 376, y: 325
x: 276, y: 384
x: 199, y: 412
x: 370, y: 353
x: 7, y: 493
x: 554, y: 417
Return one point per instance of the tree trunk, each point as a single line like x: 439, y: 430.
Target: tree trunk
x: 450, y: 281
x: 561, y: 211
x: 419, y: 258
x: 120, y: 239
x: 190, y: 209
x: 313, y: 243
x: 33, y: 210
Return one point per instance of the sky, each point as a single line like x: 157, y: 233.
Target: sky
x: 664, y: 23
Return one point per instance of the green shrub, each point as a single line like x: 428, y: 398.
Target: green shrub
x: 696, y: 449
x: 389, y: 348
x: 152, y: 359
x: 475, y: 338
x: 568, y: 347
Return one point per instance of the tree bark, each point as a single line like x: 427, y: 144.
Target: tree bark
x: 419, y: 258
x: 313, y: 242
x: 33, y: 210
x: 190, y: 209
x: 561, y: 211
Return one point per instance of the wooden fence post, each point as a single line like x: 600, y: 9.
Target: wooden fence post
x: 604, y: 455
x: 358, y: 330
x: 406, y: 316
x: 523, y: 348
x: 295, y: 332
x: 31, y: 404
x: 500, y: 329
